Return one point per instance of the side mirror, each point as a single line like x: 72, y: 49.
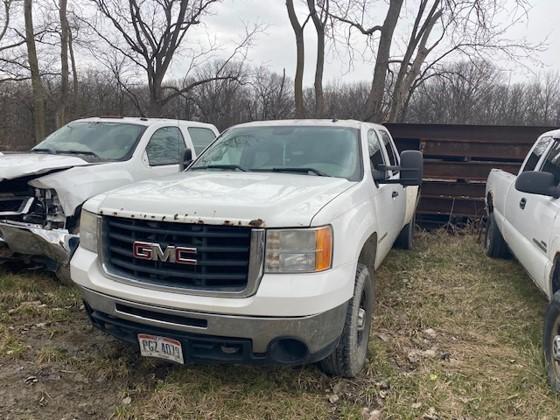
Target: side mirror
x: 541, y: 183
x: 411, y: 170
x: 186, y: 161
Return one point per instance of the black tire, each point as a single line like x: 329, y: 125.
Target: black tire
x: 62, y: 274
x: 494, y: 243
x: 551, y: 342
x: 350, y: 354
x: 405, y: 240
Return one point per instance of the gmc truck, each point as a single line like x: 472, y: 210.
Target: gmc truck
x: 42, y: 191
x: 523, y: 220
x: 263, y: 251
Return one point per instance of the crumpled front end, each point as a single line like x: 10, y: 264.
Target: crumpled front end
x: 26, y: 239
x: 33, y: 223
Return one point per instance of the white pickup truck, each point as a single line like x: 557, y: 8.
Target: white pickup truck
x: 263, y: 251
x: 42, y: 191
x: 523, y: 212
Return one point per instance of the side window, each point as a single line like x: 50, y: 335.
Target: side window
x: 201, y: 137
x: 375, y: 153
x: 165, y: 147
x: 552, y: 162
x: 536, y: 153
x: 393, y: 160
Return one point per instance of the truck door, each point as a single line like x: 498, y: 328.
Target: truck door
x: 163, y: 152
x: 389, y: 201
x: 531, y: 217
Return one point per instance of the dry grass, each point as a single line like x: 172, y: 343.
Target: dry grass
x: 456, y: 335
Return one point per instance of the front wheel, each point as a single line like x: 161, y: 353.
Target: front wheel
x: 551, y: 342
x: 349, y: 356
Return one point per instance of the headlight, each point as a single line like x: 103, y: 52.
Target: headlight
x: 88, y: 231
x: 298, y: 250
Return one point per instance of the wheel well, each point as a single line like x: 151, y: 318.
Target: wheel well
x: 368, y: 252
x: 555, y: 276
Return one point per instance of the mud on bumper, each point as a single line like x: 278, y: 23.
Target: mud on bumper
x: 221, y: 338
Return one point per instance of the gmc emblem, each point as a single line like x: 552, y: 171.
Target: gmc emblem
x: 172, y: 254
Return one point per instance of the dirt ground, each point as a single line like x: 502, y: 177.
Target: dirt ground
x: 455, y: 335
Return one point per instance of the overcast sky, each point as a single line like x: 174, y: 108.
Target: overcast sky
x: 276, y: 48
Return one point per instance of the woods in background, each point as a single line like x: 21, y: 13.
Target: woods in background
x: 432, y: 61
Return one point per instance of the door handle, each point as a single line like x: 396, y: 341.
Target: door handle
x: 523, y: 203
x: 395, y: 194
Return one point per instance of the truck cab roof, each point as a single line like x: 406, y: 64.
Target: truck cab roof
x: 146, y: 121
x: 312, y: 122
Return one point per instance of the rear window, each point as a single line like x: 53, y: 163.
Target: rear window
x: 201, y: 138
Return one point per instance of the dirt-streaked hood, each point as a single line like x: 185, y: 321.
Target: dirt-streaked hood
x: 16, y: 165
x: 257, y: 199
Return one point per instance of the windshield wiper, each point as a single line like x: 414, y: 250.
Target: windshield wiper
x: 44, y: 150
x: 296, y: 170
x: 80, y: 152
x: 225, y: 167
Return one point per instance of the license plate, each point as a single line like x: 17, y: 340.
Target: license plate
x: 160, y: 347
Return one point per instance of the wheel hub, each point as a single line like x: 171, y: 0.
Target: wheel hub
x: 362, y: 320
x: 556, y: 348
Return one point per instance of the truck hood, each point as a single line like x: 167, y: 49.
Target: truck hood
x: 247, y: 199
x: 16, y: 165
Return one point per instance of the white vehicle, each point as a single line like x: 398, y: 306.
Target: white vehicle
x: 523, y: 218
x: 263, y: 251
x: 42, y: 191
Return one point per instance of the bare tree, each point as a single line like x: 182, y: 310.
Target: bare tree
x: 441, y: 30
x: 319, y: 12
x: 36, y: 83
x: 150, y: 33
x: 298, y: 29
x: 64, y: 70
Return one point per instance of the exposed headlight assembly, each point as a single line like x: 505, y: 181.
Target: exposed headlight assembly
x: 299, y: 250
x: 88, y: 230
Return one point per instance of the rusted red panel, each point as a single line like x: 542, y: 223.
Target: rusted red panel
x: 475, y: 149
x: 473, y: 171
x: 452, y: 206
x: 453, y: 189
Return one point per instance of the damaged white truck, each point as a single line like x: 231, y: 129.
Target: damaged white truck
x: 42, y: 191
x: 264, y: 251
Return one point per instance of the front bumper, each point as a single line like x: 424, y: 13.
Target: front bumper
x: 30, y: 239
x: 218, y: 337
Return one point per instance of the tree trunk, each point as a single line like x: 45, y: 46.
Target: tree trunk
x: 63, y: 99
x: 36, y: 84
x: 300, y: 61
x: 403, y: 87
x: 374, y: 105
x: 75, y: 86
x: 319, y: 68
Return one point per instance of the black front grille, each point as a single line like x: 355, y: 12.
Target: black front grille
x: 222, y: 253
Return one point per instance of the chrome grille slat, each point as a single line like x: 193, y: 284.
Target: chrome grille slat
x: 222, y: 254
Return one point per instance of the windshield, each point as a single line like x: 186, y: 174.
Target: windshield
x: 100, y: 140
x: 308, y: 150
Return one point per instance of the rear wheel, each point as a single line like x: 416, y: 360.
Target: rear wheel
x: 551, y: 342
x: 349, y: 356
x: 494, y: 243
x: 405, y: 240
